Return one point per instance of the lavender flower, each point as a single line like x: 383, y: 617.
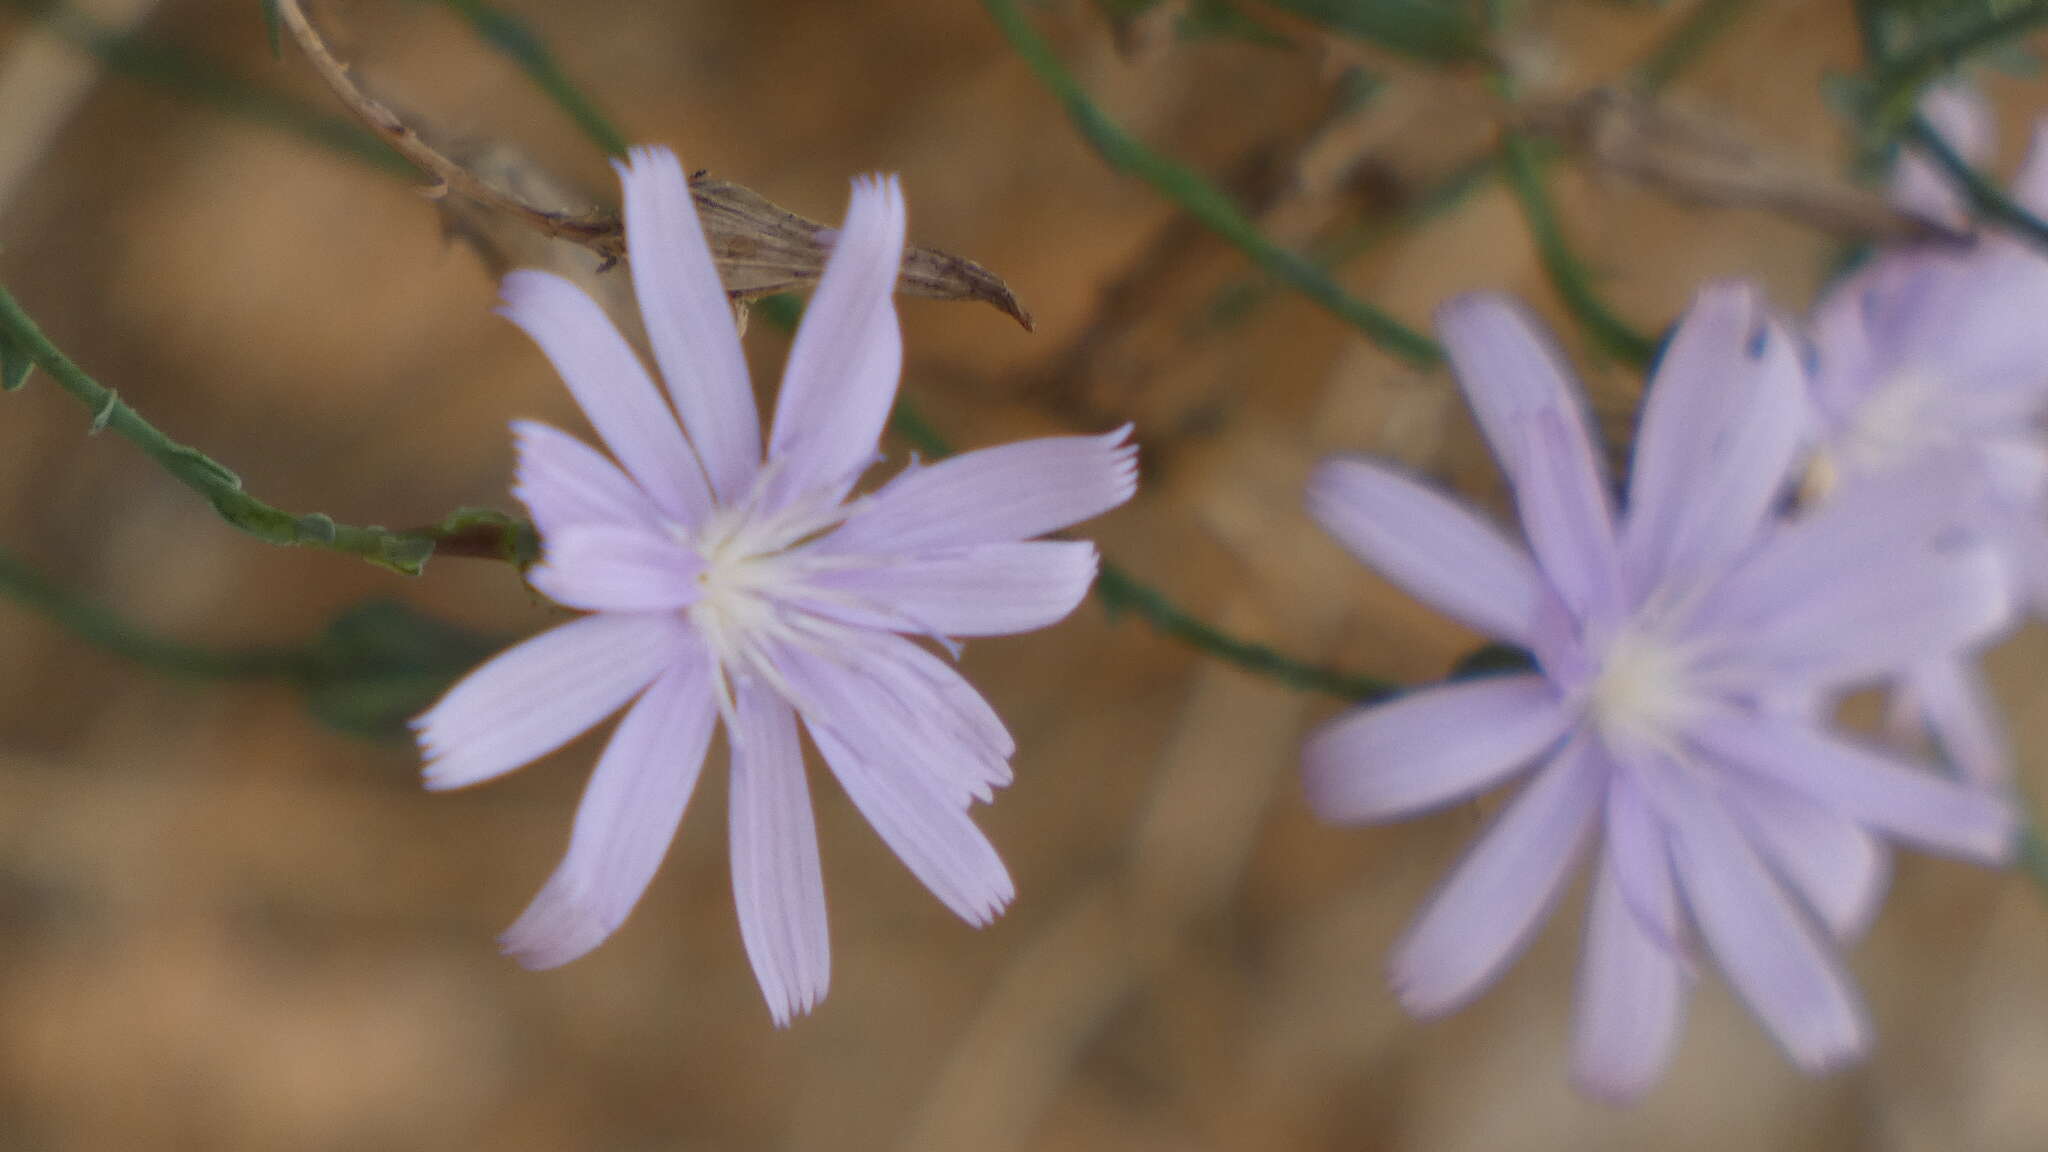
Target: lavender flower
x: 1933, y: 354
x: 728, y: 584
x: 1667, y: 642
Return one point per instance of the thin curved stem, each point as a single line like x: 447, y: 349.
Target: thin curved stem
x: 597, y: 230
x: 404, y: 552
x: 1896, y: 81
x: 1234, y: 301
x: 1522, y: 163
x: 1201, y: 199
x: 1121, y: 592
x: 1989, y: 200
x: 1706, y: 22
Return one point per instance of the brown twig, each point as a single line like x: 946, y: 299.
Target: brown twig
x: 1697, y: 160
x: 597, y: 230
x: 761, y: 248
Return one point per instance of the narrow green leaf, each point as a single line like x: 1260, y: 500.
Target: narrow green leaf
x: 1493, y: 660
x: 1436, y: 30
x: 14, y: 365
x: 380, y: 663
x: 273, y: 29
x: 1222, y: 19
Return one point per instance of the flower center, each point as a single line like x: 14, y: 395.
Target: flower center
x: 1902, y: 419
x: 755, y: 566
x: 1644, y: 693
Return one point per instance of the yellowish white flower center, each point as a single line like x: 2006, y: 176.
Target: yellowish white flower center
x: 750, y: 564
x: 1905, y: 417
x: 1645, y: 692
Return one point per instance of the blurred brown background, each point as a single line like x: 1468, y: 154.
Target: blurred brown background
x: 225, y: 926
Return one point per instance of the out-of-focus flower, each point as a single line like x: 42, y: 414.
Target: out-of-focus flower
x: 1667, y: 643
x: 728, y: 583
x: 1935, y: 355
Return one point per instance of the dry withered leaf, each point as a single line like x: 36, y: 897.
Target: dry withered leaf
x: 1698, y: 159
x: 760, y: 247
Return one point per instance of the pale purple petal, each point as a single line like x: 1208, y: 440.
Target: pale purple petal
x: 1900, y: 611
x: 1722, y: 422
x: 1632, y: 994
x: 1509, y: 371
x: 607, y: 568
x: 1846, y: 339
x: 1867, y: 534
x: 1872, y: 789
x: 995, y: 495
x: 1959, y: 116
x: 689, y: 320
x: 2030, y: 187
x: 1839, y: 869
x: 531, y: 699
x: 1531, y: 414
x: 945, y: 695
x: 1434, y: 547
x: 1488, y: 909
x: 1951, y: 698
x: 611, y: 387
x: 926, y: 827
x: 566, y: 483
x: 1771, y: 955
x: 1431, y: 747
x: 1568, y: 519
x: 776, y: 884
x: 848, y: 354
x: 1640, y: 859
x: 628, y: 816
x: 891, y: 703
x: 983, y: 590
x: 1973, y: 327
x: 1848, y: 535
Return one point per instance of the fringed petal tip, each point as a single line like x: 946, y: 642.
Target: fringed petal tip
x: 1123, y: 462
x: 643, y: 156
x: 998, y: 904
x: 447, y: 774
x: 886, y: 184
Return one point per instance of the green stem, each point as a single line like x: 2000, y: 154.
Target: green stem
x: 1234, y: 301
x: 1706, y: 22
x: 1986, y: 196
x: 517, y: 43
x: 1203, y: 200
x: 95, y: 624
x: 1522, y: 163
x: 404, y: 552
x: 136, y: 56
x: 1896, y: 81
x: 1121, y: 592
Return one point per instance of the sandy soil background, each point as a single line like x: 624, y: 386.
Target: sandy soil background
x: 225, y: 926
